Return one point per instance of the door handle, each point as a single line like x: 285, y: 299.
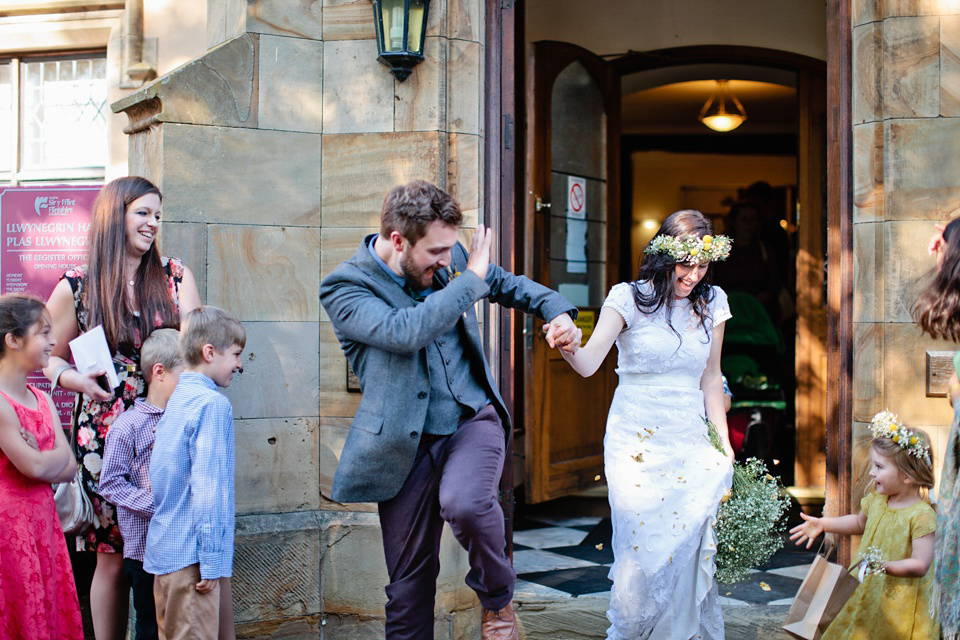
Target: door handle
x: 540, y: 205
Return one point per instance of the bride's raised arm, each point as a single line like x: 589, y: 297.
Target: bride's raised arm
x: 588, y: 358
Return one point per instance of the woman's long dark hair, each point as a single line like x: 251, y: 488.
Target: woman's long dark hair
x: 937, y: 309
x: 106, y: 295
x: 657, y: 270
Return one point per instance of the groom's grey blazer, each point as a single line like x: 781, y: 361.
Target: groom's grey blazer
x: 385, y: 334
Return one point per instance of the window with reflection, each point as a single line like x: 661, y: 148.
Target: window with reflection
x: 53, y: 118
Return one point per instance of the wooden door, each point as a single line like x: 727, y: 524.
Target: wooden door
x: 572, y: 245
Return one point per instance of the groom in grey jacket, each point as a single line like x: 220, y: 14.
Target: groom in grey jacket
x: 427, y: 442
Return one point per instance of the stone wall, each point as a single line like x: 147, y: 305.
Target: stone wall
x: 274, y: 151
x: 906, y: 133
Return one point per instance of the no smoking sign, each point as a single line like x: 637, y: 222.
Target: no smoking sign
x: 576, y: 197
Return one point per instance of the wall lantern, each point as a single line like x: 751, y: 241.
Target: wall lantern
x: 401, y: 25
x: 714, y: 112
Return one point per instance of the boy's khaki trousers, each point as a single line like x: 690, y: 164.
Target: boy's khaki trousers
x: 183, y: 613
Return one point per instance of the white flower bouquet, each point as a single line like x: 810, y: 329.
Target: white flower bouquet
x: 751, y: 518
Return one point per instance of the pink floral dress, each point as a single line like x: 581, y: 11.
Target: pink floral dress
x: 93, y: 418
x: 38, y: 599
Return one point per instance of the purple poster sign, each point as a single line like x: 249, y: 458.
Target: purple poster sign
x: 44, y: 232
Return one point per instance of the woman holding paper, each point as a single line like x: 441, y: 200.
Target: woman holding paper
x: 129, y: 289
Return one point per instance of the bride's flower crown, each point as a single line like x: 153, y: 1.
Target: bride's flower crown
x: 886, y: 425
x: 691, y: 249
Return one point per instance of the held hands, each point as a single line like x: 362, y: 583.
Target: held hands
x: 480, y: 251
x: 808, y: 531
x: 563, y: 333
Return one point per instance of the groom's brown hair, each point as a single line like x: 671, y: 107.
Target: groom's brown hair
x: 410, y: 208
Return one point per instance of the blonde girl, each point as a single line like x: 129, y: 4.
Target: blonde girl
x: 897, y: 524
x: 38, y: 598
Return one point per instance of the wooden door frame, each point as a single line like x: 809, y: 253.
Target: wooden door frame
x: 504, y: 80
x: 839, y: 264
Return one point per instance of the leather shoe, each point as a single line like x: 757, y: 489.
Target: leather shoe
x: 499, y: 625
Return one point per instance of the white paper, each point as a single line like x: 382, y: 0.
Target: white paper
x: 576, y: 246
x: 91, y: 353
x: 576, y: 197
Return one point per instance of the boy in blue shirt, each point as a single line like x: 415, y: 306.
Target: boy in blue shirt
x: 190, y: 539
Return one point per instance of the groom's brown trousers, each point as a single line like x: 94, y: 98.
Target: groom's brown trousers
x: 455, y: 479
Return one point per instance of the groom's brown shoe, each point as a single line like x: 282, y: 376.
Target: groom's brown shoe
x: 499, y: 625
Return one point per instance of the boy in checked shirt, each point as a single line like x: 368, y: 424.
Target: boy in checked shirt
x: 125, y: 479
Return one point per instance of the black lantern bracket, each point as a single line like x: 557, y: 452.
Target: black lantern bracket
x: 401, y: 28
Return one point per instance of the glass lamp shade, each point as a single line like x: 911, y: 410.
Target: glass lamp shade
x: 401, y: 25
x: 723, y: 122
x: 714, y: 112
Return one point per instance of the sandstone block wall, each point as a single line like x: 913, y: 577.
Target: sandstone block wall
x: 906, y: 173
x: 274, y: 150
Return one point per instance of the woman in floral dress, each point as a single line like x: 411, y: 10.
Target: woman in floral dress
x: 129, y: 289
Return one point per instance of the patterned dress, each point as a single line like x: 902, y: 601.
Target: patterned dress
x: 886, y: 607
x: 93, y: 418
x: 664, y: 478
x: 947, y: 559
x: 38, y: 599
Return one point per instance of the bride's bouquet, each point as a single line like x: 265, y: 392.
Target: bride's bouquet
x: 750, y: 521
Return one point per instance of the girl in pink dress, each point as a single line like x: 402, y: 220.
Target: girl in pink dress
x: 38, y: 599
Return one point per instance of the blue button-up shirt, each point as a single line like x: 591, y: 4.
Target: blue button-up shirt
x: 125, y: 477
x: 192, y: 477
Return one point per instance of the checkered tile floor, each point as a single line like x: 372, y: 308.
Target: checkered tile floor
x: 557, y: 557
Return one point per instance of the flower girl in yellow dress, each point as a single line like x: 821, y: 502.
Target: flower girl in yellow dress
x: 894, y: 600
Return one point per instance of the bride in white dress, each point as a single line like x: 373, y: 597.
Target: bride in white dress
x: 665, y: 479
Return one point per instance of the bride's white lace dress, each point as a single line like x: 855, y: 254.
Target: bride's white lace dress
x: 665, y: 479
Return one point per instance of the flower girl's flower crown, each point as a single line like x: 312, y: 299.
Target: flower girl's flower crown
x: 691, y: 249
x: 885, y: 425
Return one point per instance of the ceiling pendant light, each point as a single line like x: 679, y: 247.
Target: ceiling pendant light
x: 714, y: 112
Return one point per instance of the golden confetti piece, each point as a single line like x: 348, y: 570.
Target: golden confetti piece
x: 765, y: 586
x: 671, y: 559
x: 638, y: 457
x: 641, y: 523
x: 649, y: 431
x: 596, y: 478
x: 636, y: 548
x: 775, y: 462
x: 600, y: 547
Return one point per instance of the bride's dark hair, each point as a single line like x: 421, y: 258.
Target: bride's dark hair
x: 657, y: 270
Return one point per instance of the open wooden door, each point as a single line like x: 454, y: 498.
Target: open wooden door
x: 571, y: 244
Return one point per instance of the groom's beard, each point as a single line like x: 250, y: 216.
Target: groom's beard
x: 416, y: 277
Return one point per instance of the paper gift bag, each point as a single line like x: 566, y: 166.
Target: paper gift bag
x: 824, y: 591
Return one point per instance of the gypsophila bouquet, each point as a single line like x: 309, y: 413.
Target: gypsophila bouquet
x: 750, y: 520
x: 872, y: 562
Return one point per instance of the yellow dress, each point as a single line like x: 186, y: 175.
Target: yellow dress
x: 886, y: 607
